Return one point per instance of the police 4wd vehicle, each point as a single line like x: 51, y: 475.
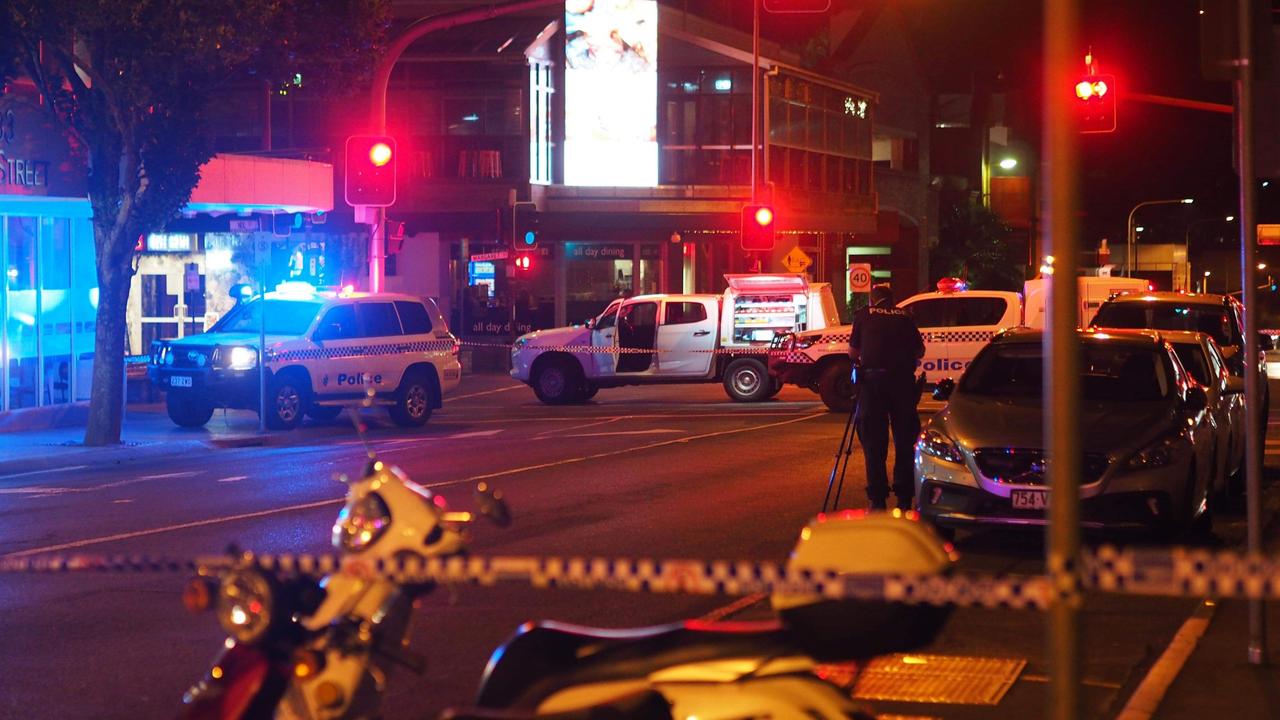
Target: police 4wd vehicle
x: 322, y: 350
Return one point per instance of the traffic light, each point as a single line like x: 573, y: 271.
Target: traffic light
x: 523, y: 263
x: 757, y: 227
x: 1096, y: 103
x: 370, y: 172
x: 525, y: 230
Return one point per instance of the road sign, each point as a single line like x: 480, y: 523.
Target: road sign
x: 1268, y: 234
x: 796, y: 261
x: 860, y: 277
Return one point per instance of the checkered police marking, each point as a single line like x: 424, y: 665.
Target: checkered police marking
x: 954, y: 336
x: 329, y: 353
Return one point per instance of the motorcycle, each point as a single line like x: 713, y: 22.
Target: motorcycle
x: 298, y: 648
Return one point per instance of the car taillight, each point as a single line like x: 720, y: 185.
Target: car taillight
x: 455, y: 347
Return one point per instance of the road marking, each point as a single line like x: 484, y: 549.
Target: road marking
x: 477, y: 433
x: 122, y: 501
x: 233, y: 478
x: 47, y: 491
x: 1144, y: 701
x: 483, y: 392
x: 548, y: 433
x: 169, y: 528
x: 654, y: 431
x: 162, y: 476
x: 445, y: 483
x: 39, y: 472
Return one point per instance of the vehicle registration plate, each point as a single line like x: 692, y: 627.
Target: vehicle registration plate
x: 179, y: 381
x: 1029, y: 499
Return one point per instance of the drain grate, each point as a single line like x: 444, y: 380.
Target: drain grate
x: 950, y: 679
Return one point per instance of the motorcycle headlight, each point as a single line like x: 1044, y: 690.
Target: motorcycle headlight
x: 244, y: 605
x: 936, y: 444
x: 241, y: 358
x: 1156, y: 455
x: 361, y: 522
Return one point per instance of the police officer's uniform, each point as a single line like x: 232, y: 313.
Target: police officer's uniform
x: 885, y: 345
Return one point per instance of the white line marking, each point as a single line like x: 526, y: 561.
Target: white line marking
x: 446, y: 483
x: 474, y: 434
x: 233, y: 478
x: 164, y: 476
x: 122, y: 501
x: 484, y: 392
x: 39, y: 472
x: 549, y: 433
x: 1144, y: 701
x: 654, y: 431
x: 47, y: 491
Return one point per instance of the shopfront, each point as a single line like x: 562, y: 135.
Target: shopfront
x: 597, y: 272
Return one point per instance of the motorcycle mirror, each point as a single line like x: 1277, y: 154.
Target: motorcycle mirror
x: 490, y: 503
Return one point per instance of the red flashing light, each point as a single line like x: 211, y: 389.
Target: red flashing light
x: 522, y: 262
x: 757, y: 227
x: 764, y: 216
x: 380, y: 154
x: 952, y: 285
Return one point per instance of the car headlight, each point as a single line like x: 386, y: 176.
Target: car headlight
x: 1156, y: 455
x: 361, y: 522
x: 803, y: 343
x: 245, y: 601
x: 241, y: 358
x: 166, y: 355
x: 519, y: 343
x: 936, y: 444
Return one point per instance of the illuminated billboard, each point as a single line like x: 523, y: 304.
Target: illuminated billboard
x: 611, y: 93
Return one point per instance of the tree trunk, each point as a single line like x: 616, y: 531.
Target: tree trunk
x: 106, y: 401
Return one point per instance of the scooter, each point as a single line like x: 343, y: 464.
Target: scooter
x: 297, y: 648
x: 730, y: 670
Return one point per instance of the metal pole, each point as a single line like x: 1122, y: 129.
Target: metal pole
x: 1257, y: 651
x: 1062, y: 359
x: 262, y: 334
x: 755, y: 92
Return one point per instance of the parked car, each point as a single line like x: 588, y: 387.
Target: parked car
x: 1146, y: 436
x: 1202, y: 359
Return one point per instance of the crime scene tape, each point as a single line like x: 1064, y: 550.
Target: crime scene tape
x: 1171, y: 572
x: 615, y: 350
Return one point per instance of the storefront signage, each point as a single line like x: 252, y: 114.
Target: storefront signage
x: 610, y: 251
x: 35, y: 156
x: 500, y: 255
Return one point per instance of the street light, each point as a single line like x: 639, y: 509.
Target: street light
x: 1129, y: 224
x: 1008, y: 163
x: 1204, y: 286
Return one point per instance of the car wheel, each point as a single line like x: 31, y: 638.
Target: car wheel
x: 836, y: 388
x: 747, y: 380
x: 287, y: 400
x: 324, y: 413
x: 558, y: 382
x: 185, y: 410
x: 413, y: 402
x: 777, y: 388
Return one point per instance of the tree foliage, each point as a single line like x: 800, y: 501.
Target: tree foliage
x: 133, y: 84
x: 973, y: 244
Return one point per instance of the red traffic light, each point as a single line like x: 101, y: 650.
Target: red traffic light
x: 380, y: 154
x: 1096, y: 106
x: 522, y: 262
x: 757, y: 227
x: 764, y: 216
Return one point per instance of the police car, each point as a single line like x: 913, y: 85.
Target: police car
x: 323, y: 350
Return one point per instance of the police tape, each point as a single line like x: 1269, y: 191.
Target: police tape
x: 1171, y: 572
x: 746, y: 351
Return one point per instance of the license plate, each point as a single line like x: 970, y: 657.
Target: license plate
x: 179, y: 381
x: 1029, y: 499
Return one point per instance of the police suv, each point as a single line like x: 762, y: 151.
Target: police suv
x: 323, y: 350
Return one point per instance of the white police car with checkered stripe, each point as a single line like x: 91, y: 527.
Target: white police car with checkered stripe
x: 955, y: 323
x: 324, y: 350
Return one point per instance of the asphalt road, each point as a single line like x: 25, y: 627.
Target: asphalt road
x: 672, y: 471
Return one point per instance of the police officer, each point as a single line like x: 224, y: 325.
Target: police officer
x: 885, y: 345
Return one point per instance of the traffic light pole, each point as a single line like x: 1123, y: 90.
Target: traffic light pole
x: 1257, y: 651
x: 378, y: 103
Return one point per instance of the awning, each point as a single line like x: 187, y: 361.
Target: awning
x: 247, y: 183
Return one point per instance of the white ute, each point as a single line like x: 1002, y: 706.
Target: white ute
x: 954, y: 321
x: 652, y: 339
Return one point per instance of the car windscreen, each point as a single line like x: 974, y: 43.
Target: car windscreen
x: 1191, y: 355
x: 284, y: 317
x: 1109, y: 373
x: 1208, y: 319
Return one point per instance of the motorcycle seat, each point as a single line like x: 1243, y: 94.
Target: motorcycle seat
x: 544, y: 657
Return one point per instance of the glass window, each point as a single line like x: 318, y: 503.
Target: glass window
x: 84, y: 304
x: 378, y: 319
x: 414, y: 317
x: 929, y: 313
x: 338, y: 324
x: 682, y: 313
x: 1209, y: 319
x: 1111, y: 373
x: 20, y: 325
x: 55, y: 310
x: 284, y: 317
x: 608, y: 319
x: 978, y: 310
x: 1193, y: 359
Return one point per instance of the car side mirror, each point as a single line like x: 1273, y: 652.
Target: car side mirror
x: 944, y: 388
x: 591, y: 323
x: 1266, y: 342
x: 1235, y: 385
x: 1196, y: 400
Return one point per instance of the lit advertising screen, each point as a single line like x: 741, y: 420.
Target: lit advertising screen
x: 611, y: 86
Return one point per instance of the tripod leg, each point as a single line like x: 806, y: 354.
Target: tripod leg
x: 851, y: 429
x: 845, y: 442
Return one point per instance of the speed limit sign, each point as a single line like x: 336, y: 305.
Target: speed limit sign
x: 860, y: 277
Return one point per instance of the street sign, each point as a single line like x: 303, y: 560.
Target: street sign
x: 796, y: 261
x: 1268, y: 234
x: 860, y: 278
x: 500, y: 255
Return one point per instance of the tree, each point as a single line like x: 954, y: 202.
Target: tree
x: 973, y: 244
x: 132, y: 85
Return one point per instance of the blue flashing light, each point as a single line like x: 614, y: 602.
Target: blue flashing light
x: 530, y: 237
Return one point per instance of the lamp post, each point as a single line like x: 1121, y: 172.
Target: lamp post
x: 1187, y: 241
x: 1128, y: 260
